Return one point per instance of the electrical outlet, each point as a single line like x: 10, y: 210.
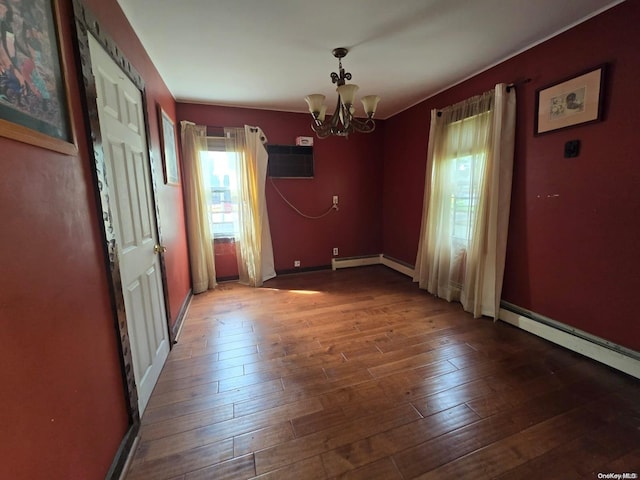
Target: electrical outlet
x: 335, y: 251
x: 296, y: 263
x: 335, y: 199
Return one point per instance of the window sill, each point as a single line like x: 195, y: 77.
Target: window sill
x: 224, y: 240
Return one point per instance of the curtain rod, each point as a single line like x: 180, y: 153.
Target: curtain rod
x: 511, y: 85
x: 517, y: 83
x: 217, y: 129
x: 213, y: 131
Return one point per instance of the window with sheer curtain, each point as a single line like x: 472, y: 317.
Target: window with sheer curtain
x: 207, y: 176
x: 460, y: 171
x: 220, y: 178
x: 462, y: 243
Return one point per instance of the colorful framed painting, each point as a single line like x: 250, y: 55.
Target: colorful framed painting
x: 574, y: 101
x: 34, y: 105
x: 169, y: 148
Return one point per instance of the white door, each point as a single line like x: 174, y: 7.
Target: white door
x: 120, y: 110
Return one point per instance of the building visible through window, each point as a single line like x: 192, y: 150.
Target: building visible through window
x: 219, y: 171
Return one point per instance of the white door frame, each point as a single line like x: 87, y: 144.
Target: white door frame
x: 125, y: 153
x: 85, y: 24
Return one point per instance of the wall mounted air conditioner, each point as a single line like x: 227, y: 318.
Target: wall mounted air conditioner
x: 290, y: 161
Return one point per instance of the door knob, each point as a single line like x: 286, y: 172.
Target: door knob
x: 159, y: 249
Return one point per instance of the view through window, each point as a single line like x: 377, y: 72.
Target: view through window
x: 220, y: 177
x: 465, y: 195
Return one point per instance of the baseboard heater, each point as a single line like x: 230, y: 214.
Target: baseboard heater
x: 596, y: 348
x: 378, y: 259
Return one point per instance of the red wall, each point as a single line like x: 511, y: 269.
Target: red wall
x: 570, y: 257
x: 351, y: 169
x: 62, y: 408
x: 574, y: 222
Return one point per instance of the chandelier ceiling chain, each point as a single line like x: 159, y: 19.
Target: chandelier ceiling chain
x: 342, y: 122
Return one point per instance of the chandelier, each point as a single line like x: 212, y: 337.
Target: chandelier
x: 342, y: 122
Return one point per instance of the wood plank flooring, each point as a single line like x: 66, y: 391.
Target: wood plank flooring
x: 358, y: 374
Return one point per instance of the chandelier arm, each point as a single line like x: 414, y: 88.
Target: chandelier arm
x: 336, y: 117
x: 330, y: 126
x: 321, y: 133
x: 346, y: 118
x: 363, y: 126
x: 320, y: 130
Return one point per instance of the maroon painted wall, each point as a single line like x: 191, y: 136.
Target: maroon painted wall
x: 571, y: 257
x: 351, y: 169
x: 574, y: 222
x: 62, y: 408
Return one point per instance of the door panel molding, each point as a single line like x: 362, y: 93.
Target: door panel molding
x: 86, y: 23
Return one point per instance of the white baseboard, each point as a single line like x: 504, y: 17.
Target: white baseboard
x: 354, y: 261
x: 130, y: 455
x: 397, y: 266
x: 183, y: 315
x: 372, y: 260
x: 607, y: 356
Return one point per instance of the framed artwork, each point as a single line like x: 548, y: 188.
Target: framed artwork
x: 34, y: 105
x: 169, y: 148
x: 574, y: 101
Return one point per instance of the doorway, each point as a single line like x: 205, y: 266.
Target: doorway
x: 132, y: 207
x: 118, y: 139
x: 120, y: 157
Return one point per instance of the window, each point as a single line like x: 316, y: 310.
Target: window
x: 465, y: 196
x: 461, y: 163
x: 463, y: 237
x: 220, y: 177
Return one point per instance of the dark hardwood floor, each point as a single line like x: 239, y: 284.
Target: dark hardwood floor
x: 358, y: 374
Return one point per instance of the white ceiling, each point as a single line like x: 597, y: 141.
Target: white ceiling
x: 270, y: 54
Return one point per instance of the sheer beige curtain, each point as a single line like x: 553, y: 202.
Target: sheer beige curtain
x: 203, y: 273
x: 254, y: 248
x: 463, y: 237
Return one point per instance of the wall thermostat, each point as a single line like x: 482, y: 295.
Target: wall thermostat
x: 571, y: 148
